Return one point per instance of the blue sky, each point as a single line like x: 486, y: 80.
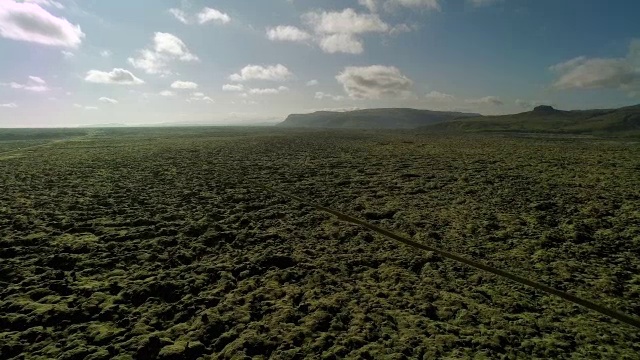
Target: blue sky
x: 83, y: 62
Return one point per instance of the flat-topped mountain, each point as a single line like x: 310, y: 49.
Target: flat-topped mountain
x: 391, y: 118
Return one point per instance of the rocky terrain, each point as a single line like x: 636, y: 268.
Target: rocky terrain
x: 153, y: 245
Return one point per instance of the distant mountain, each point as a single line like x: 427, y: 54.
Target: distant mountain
x: 392, y: 118
x: 546, y: 119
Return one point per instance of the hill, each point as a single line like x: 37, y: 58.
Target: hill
x: 545, y: 119
x: 392, y: 118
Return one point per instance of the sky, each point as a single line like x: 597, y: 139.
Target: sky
x: 67, y: 63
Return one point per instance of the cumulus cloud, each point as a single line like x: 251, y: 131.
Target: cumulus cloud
x: 268, y: 91
x: 30, y: 22
x: 233, y: 87
x: 209, y: 14
x: 184, y: 85
x: 106, y: 53
x: 9, y: 105
x: 34, y: 84
x: 313, y: 82
x: 166, y: 47
x: 341, y: 31
x: 321, y: 95
x: 441, y: 97
x: 345, y: 22
x: 167, y: 93
x: 373, y: 82
x: 116, y: 76
x: 487, y: 100
x: 341, y: 43
x: 277, y: 72
x: 338, y: 31
x: 108, y: 100
x: 287, y: 33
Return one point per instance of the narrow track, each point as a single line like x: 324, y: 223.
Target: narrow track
x: 622, y: 317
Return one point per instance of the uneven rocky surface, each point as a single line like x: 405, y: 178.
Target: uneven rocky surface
x: 145, y: 247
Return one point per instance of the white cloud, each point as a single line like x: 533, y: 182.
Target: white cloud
x: 204, y: 16
x: 340, y: 31
x: 233, y: 87
x: 105, y: 53
x: 313, y: 82
x: 345, y: 22
x: 167, y: 93
x: 67, y: 54
x: 373, y: 82
x: 108, y: 100
x: 198, y: 96
x: 77, y: 106
x: 37, y: 80
x: 116, y: 76
x: 209, y: 14
x: 277, y: 72
x: 180, y: 15
x: 479, y: 3
x: 321, y: 95
x: 441, y: 97
x: 35, y: 84
x: 171, y: 45
x: 30, y: 22
x: 287, y: 33
x: 601, y: 73
x: 9, y: 105
x: 344, y: 43
x: 268, y: 91
x: 568, y: 65
x: 487, y: 100
x: 166, y: 47
x: 184, y: 85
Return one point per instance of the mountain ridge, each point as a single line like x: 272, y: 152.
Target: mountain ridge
x: 543, y: 119
x: 381, y: 118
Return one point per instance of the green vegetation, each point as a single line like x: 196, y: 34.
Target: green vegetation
x: 545, y: 119
x: 150, y: 243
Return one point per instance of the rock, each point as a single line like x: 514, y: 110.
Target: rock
x: 545, y: 109
x: 150, y: 348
